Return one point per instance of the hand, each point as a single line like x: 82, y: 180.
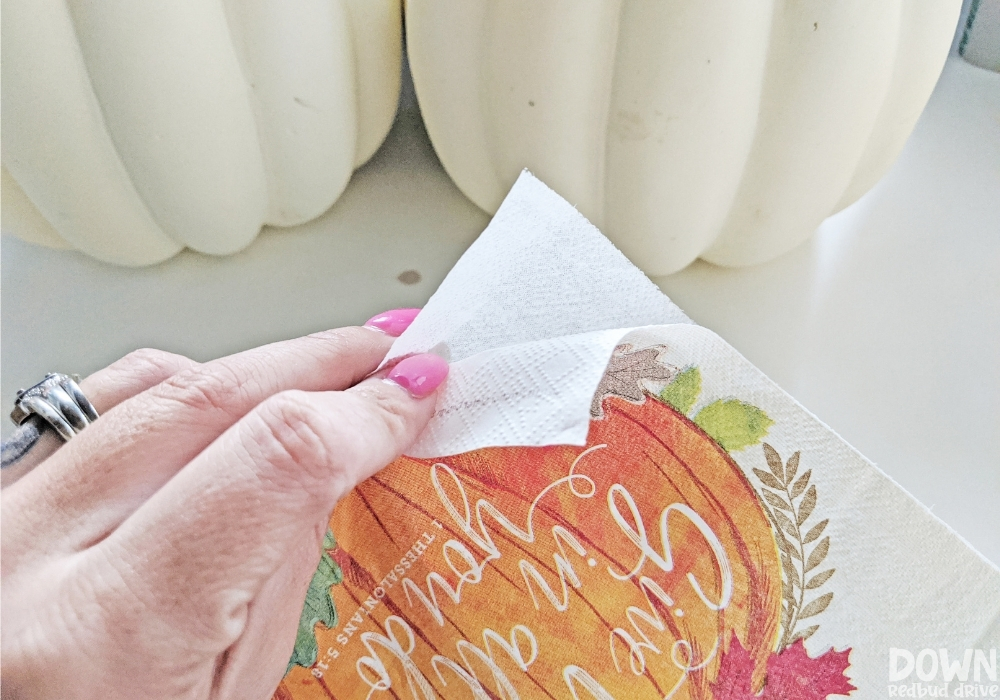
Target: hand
x: 165, y: 551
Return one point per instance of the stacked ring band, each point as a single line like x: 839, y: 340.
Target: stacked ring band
x: 59, y: 401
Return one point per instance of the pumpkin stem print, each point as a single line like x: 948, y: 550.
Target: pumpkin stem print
x: 645, y: 564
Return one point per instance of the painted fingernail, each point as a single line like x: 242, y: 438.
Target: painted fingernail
x: 420, y: 374
x: 393, y: 322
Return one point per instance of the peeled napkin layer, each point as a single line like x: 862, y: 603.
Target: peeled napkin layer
x: 541, y: 297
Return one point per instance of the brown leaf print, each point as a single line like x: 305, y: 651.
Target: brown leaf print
x: 626, y: 372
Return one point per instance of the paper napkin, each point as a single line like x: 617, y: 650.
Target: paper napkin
x: 611, y: 502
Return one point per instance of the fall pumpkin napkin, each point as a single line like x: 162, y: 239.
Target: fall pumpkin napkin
x: 610, y: 502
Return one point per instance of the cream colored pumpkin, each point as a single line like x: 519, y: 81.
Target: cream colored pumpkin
x: 133, y: 128
x: 683, y: 128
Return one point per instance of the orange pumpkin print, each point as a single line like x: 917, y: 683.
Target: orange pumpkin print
x: 621, y: 569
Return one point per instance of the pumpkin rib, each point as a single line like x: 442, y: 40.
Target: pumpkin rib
x: 793, y: 179
x: 537, y: 560
x: 921, y: 48
x: 451, y: 103
x: 745, y: 555
x: 446, y: 526
x: 720, y: 510
x: 376, y: 33
x: 596, y: 546
x: 57, y: 146
x: 720, y: 615
x: 668, y: 620
x: 557, y: 516
x: 552, y: 111
x: 396, y: 610
x: 22, y: 218
x: 720, y: 624
x: 759, y: 638
x: 138, y: 128
x: 298, y: 64
x: 688, y: 85
x: 544, y: 564
x: 361, y: 494
x: 391, y: 606
x: 700, y: 485
x: 325, y: 687
x: 183, y: 127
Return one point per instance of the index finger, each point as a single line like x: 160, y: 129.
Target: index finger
x: 101, y: 476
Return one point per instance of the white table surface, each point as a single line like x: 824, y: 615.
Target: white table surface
x: 886, y: 324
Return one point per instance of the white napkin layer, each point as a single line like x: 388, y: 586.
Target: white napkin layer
x: 532, y: 394
x: 539, y: 272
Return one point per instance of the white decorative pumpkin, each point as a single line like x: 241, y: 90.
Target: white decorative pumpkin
x: 133, y: 128
x: 683, y: 128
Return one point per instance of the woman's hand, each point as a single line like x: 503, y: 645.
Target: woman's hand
x: 165, y: 551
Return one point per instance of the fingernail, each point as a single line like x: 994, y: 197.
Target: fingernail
x: 420, y: 374
x: 393, y: 322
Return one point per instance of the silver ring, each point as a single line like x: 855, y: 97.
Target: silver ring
x: 59, y: 401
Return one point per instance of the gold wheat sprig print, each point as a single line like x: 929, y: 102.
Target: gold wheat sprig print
x: 792, y: 500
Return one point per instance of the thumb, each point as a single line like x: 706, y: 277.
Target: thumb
x: 198, y: 552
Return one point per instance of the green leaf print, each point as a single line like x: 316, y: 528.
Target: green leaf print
x: 682, y: 393
x: 733, y: 423
x: 318, y: 608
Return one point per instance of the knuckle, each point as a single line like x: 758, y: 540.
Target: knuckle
x: 211, y: 389
x: 343, y: 338
x: 295, y: 438
x: 353, y: 348
x: 150, y: 363
x: 394, y: 415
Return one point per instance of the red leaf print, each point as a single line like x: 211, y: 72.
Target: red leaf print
x: 733, y: 681
x: 793, y: 675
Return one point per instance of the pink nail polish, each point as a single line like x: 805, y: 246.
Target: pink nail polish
x: 393, y: 322
x: 419, y: 374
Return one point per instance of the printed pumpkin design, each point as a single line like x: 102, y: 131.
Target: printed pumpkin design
x: 624, y: 569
